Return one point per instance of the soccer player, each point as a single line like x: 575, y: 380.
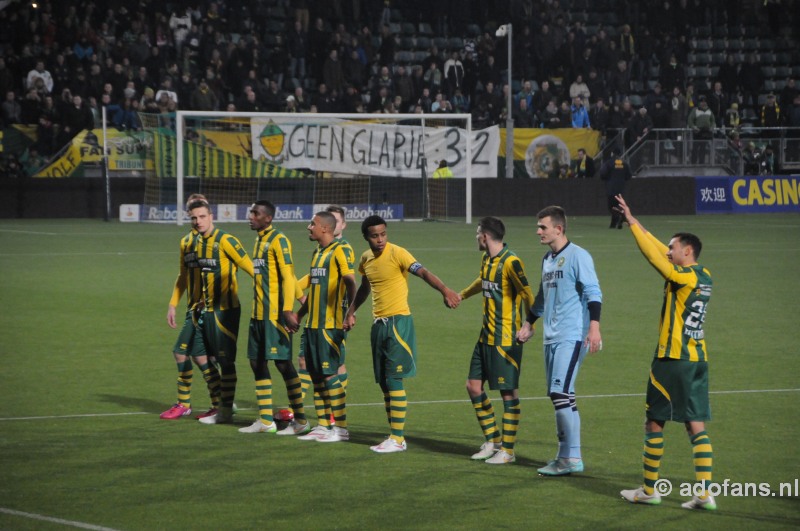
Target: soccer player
x: 569, y: 300
x: 189, y: 345
x: 272, y: 322
x: 219, y: 255
x: 384, y: 269
x: 323, y: 335
x: 497, y: 357
x: 678, y: 386
x: 341, y: 224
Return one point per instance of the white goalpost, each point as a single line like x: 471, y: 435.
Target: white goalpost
x: 369, y: 163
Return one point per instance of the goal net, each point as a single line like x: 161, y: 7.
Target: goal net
x: 368, y: 163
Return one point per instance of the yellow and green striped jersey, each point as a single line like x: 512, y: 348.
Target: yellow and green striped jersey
x: 687, y: 291
x: 220, y: 255
x: 506, y: 296
x: 326, y: 285
x: 388, y: 279
x: 188, y: 274
x: 274, y: 278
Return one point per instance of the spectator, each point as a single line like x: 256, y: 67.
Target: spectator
x: 580, y: 116
x: 787, y: 95
x: 583, y: 166
x: 30, y: 107
x: 403, y: 86
x: 275, y: 99
x: 278, y: 61
x: 433, y: 78
x: 771, y: 117
x: 523, y: 118
x: 319, y: 40
x: 454, y: 73
x: 732, y: 122
x: 596, y: 85
x: 333, y: 75
x: 39, y: 72
x: 678, y: 109
x: 11, y: 109
x: 354, y: 70
x: 672, y: 74
x: 718, y: 102
x: 551, y: 119
x: 579, y: 89
x: 180, y: 24
x: 701, y: 121
x: 461, y: 103
x: 296, y: 46
x: 542, y: 98
x: 641, y: 124
x: 619, y: 83
x: 599, y: 116
x: 77, y: 117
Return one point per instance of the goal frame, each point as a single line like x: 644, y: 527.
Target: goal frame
x: 181, y: 115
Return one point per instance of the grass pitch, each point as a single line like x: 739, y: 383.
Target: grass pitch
x: 88, y: 367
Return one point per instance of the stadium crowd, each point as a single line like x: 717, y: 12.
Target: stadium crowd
x: 61, y: 62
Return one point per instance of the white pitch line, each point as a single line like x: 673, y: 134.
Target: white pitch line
x: 33, y: 232
x: 61, y: 521
x: 419, y: 402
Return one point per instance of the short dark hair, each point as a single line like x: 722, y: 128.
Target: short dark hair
x: 336, y: 209
x: 197, y: 203
x: 690, y: 240
x: 556, y: 213
x: 493, y: 226
x: 327, y: 219
x: 268, y: 206
x: 371, y: 221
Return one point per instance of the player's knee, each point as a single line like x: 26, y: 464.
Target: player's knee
x: 560, y: 400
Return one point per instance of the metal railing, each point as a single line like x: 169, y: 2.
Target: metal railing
x: 672, y: 151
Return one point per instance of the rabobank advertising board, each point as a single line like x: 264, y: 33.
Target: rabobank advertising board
x: 754, y: 194
x: 232, y: 212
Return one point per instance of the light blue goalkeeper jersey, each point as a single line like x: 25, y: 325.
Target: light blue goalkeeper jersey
x: 569, y: 283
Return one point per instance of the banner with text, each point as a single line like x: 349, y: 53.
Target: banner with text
x: 724, y: 195
x: 363, y: 148
x: 232, y: 212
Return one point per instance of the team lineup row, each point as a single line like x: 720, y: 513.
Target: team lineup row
x: 568, y: 301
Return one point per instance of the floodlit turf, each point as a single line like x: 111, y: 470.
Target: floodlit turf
x: 87, y: 368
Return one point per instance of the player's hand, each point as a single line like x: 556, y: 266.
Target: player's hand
x: 349, y: 321
x: 593, y: 341
x: 292, y: 324
x: 171, y: 317
x: 451, y: 298
x: 623, y: 208
x: 525, y: 332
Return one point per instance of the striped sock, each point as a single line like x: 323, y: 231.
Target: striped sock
x: 305, y: 381
x: 485, y: 414
x: 337, y: 396
x: 264, y: 400
x: 211, y: 376
x: 653, y: 451
x: 510, y: 424
x: 185, y: 383
x: 228, y: 385
x: 703, y: 459
x: 398, y: 405
x: 294, y: 390
x: 322, y: 404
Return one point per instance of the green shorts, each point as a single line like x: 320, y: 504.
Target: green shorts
x: 500, y: 366
x: 220, y: 331
x: 678, y: 390
x: 394, y: 347
x: 190, y: 339
x: 268, y: 340
x: 324, y: 350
